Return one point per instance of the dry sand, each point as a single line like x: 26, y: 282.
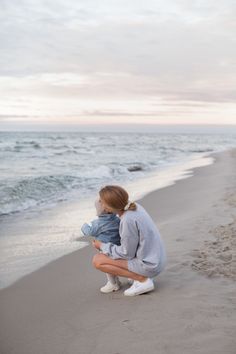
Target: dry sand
x: 59, y: 309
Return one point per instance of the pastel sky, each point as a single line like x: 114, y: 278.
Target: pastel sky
x: 122, y: 61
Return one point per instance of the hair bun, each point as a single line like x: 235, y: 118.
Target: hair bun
x: 127, y: 206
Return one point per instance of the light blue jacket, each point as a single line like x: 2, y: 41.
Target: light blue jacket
x: 105, y: 228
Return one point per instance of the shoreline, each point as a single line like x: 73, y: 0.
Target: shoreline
x: 59, y: 309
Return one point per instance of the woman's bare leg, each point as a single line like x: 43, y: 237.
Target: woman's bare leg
x: 115, y: 267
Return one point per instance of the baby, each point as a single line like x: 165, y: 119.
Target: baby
x: 106, y: 229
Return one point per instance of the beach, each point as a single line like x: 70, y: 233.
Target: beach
x: 59, y: 309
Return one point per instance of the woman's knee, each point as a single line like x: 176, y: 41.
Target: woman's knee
x: 97, y: 260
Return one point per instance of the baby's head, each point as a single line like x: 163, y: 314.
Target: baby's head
x: 99, y: 208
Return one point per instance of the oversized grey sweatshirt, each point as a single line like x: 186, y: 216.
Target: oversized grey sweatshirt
x: 141, y: 243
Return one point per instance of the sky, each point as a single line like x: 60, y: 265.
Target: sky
x: 90, y: 62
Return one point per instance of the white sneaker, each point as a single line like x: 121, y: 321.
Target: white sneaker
x: 109, y: 287
x: 140, y: 287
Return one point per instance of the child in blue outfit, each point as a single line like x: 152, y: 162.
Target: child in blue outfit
x: 105, y: 229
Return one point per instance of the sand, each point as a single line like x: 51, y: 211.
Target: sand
x: 59, y: 309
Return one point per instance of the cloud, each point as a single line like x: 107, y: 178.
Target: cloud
x: 87, y: 56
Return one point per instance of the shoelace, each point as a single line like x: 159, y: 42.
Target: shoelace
x: 136, y: 283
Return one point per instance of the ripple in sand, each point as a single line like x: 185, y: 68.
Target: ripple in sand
x: 218, y: 257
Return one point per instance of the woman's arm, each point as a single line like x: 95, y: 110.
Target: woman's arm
x: 129, y: 235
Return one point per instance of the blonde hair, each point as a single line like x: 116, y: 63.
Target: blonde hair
x: 116, y: 198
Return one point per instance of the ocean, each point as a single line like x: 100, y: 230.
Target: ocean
x: 43, y: 175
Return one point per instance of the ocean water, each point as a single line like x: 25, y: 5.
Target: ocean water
x: 41, y: 169
x: 48, y: 182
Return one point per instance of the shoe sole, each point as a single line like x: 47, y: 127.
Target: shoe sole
x: 141, y: 292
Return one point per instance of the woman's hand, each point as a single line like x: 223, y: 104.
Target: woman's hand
x: 96, y: 244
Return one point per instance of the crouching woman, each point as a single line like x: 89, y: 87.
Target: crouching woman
x: 141, y: 254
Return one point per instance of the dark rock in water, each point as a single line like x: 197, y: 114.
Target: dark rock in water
x: 135, y: 168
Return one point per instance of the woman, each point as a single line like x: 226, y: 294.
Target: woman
x: 141, y: 254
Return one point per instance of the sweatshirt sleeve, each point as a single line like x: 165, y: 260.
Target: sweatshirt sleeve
x: 90, y: 230
x: 129, y: 235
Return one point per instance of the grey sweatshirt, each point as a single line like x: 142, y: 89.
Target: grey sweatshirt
x: 141, y: 243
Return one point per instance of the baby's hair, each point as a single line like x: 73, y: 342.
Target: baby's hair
x: 116, y: 197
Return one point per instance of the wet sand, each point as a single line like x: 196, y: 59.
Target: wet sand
x: 59, y: 309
